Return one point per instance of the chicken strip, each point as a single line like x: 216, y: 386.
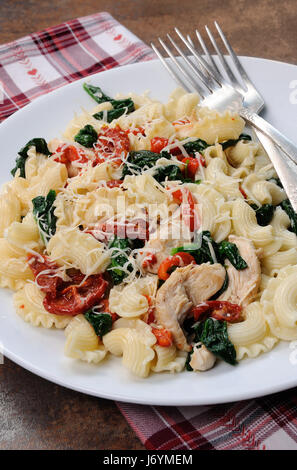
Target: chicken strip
x: 186, y: 287
x: 243, y: 284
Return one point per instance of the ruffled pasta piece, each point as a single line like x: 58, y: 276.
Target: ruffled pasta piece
x: 90, y: 177
x: 10, y: 209
x: 263, y: 166
x: 14, y: 270
x: 168, y: 359
x: 272, y: 264
x: 217, y: 173
x: 28, y: 302
x: 135, y: 345
x: 207, y: 212
x: 280, y: 223
x: 145, y: 189
x: 100, y: 204
x: 132, y: 300
x: 279, y: 301
x: 19, y: 187
x: 180, y: 104
x: 82, y: 342
x: 245, y: 224
x: 251, y: 336
x: 73, y: 248
x: 141, y: 116
x: 242, y: 154
x: 214, y: 213
x: 64, y: 211
x: 25, y: 235
x: 50, y: 175
x: 261, y: 191
x: 212, y: 126
x: 34, y: 161
x: 223, y: 222
x: 215, y: 151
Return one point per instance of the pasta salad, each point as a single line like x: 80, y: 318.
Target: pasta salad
x: 155, y: 232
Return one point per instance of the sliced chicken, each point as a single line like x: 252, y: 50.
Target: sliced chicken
x: 186, y: 287
x: 243, y: 284
x: 203, y: 281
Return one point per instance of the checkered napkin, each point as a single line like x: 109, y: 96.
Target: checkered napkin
x: 41, y: 62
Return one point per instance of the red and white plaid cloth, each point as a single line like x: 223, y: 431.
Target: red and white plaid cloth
x: 41, y: 62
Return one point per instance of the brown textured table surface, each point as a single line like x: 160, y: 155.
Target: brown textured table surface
x: 34, y: 413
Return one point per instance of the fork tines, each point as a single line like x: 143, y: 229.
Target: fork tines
x: 187, y: 68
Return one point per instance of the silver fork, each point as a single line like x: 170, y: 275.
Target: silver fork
x: 254, y: 102
x: 219, y: 94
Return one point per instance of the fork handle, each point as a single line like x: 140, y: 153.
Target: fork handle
x: 285, y: 144
x: 285, y: 172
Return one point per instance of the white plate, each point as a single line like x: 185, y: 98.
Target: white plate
x: 41, y: 351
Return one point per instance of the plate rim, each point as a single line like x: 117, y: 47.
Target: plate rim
x: 262, y: 391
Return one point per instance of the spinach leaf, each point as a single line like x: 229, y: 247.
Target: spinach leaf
x: 196, y: 146
x: 232, y: 142
x: 287, y: 207
x: 96, y: 93
x: 41, y: 147
x: 119, y: 258
x: 171, y: 172
x: 119, y: 106
x: 87, y: 136
x: 200, y: 250
x: 214, y: 335
x: 141, y: 160
x: 43, y: 211
x: 101, y: 322
x: 230, y: 251
x: 264, y: 213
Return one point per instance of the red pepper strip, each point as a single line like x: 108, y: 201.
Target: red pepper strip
x: 69, y: 154
x: 164, y: 337
x: 149, y: 260
x: 112, y: 143
x: 192, y: 165
x: 179, y: 259
x: 158, y: 143
x: 243, y: 192
x: 218, y: 309
x: 186, y: 198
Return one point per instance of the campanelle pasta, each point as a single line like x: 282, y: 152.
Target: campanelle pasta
x: 132, y: 230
